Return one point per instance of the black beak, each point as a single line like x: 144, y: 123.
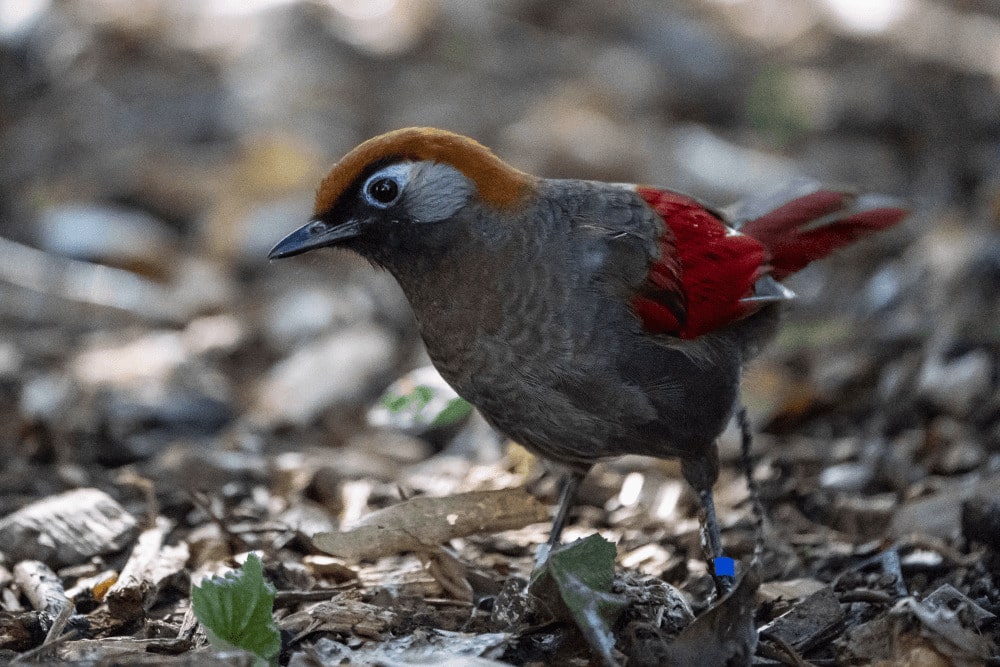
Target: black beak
x: 316, y: 234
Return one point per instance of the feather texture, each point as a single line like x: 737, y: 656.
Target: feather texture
x: 708, y: 268
x: 708, y: 274
x: 813, y: 226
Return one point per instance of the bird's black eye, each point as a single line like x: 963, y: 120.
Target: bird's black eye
x: 383, y: 190
x: 385, y: 187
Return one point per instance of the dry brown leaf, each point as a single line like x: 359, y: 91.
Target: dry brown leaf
x: 723, y: 635
x: 451, y: 573
x: 420, y: 524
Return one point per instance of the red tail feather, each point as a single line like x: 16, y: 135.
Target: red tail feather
x: 791, y: 247
x: 709, y: 275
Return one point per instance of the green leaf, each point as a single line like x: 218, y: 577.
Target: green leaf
x: 583, y: 573
x: 422, y: 395
x: 395, y: 403
x: 235, y: 610
x: 456, y: 410
x: 420, y: 401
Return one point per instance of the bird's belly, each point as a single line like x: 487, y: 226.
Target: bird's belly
x: 577, y: 407
x: 570, y: 412
x: 577, y: 389
x: 550, y: 422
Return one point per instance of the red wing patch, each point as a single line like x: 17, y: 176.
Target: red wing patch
x: 705, y: 269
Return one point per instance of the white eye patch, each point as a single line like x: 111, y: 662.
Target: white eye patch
x: 437, y: 191
x: 424, y: 191
x: 385, y: 187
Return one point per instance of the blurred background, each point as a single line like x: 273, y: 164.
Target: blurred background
x: 154, y: 150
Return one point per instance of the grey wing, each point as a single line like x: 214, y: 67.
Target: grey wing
x: 686, y: 387
x: 617, y: 240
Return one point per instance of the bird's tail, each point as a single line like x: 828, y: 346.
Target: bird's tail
x: 811, y: 226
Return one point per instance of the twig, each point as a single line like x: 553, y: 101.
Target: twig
x: 866, y: 595
x: 782, y: 651
x: 42, y: 587
x: 285, y: 598
x: 45, y: 646
x: 148, y: 567
x: 889, y: 562
x: 59, y: 624
x: 205, y: 506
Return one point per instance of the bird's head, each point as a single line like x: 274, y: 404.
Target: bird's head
x: 398, y: 189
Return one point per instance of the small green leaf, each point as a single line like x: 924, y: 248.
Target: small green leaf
x: 395, y: 403
x: 456, y: 410
x: 422, y: 395
x: 419, y: 402
x: 235, y: 610
x: 583, y: 573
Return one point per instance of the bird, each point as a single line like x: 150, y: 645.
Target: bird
x: 584, y: 320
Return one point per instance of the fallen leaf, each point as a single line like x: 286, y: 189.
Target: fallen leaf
x: 421, y: 524
x: 582, y: 573
x: 723, y: 635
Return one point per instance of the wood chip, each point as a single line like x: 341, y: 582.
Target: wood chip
x: 940, y: 514
x: 130, y: 651
x: 791, y: 589
x: 421, y: 524
x: 343, y: 615
x: 148, y: 568
x: 948, y: 597
x: 67, y: 529
x: 450, y: 572
x: 22, y: 630
x: 41, y: 586
x: 948, y: 631
x: 809, y: 622
x: 330, y: 567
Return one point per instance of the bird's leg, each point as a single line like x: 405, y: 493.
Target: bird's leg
x: 712, y: 534
x: 567, y: 495
x: 712, y: 538
x: 701, y: 473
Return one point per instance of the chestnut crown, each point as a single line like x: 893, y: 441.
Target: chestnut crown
x: 497, y: 183
x: 412, y: 175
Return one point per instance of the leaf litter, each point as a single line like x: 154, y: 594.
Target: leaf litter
x: 173, y: 404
